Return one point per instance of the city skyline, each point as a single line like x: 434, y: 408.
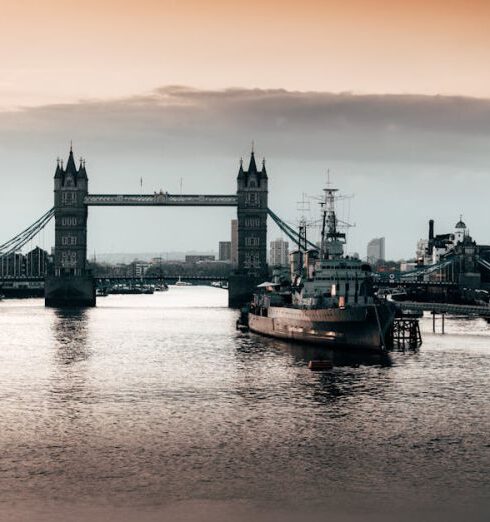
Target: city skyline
x: 347, y: 101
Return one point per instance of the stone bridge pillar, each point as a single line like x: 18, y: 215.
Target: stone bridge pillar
x: 71, y: 284
x: 252, y: 195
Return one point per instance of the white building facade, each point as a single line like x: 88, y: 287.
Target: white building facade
x: 279, y: 253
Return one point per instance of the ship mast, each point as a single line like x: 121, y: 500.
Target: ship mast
x: 332, y: 241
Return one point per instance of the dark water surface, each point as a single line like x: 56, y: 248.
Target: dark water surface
x: 155, y: 408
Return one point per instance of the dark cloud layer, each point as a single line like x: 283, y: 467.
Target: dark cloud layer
x: 304, y: 125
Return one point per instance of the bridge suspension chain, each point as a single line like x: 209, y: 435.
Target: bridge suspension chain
x: 292, y: 234
x: 20, y: 240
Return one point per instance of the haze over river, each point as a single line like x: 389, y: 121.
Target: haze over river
x: 153, y: 407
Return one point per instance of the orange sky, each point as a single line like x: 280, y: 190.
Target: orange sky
x: 52, y: 50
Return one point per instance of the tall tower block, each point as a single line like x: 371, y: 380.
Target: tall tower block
x: 252, y: 205
x: 71, y: 284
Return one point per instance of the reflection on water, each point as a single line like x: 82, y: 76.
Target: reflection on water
x: 71, y: 352
x: 327, y: 386
x: 155, y: 408
x: 70, y: 330
x: 304, y: 353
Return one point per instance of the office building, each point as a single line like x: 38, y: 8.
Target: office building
x: 225, y: 250
x: 279, y: 251
x: 376, y: 250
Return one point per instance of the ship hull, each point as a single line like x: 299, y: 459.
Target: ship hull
x: 363, y: 327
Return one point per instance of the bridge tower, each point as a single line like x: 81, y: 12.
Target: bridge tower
x: 71, y: 284
x: 252, y: 204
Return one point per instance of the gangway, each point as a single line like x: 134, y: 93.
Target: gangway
x: 443, y: 308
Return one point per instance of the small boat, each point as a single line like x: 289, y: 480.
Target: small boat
x: 130, y: 290
x: 220, y: 284
x: 182, y: 283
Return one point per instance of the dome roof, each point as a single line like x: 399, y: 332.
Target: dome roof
x: 460, y: 223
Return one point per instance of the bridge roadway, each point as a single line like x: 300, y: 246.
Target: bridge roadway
x: 119, y: 279
x: 443, y: 308
x: 413, y: 284
x: 122, y: 279
x: 161, y: 199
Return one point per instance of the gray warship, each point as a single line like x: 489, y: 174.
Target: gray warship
x: 328, y: 298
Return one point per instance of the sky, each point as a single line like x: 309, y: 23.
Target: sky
x: 392, y: 96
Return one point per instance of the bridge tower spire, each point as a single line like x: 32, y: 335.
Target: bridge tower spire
x: 71, y: 284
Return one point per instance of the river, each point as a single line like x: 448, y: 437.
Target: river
x: 153, y: 407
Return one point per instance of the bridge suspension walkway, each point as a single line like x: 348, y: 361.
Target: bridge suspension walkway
x: 20, y: 240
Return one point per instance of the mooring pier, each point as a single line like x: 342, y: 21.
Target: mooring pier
x: 444, y: 309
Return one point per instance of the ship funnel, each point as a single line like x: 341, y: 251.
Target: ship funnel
x: 296, y: 263
x: 431, y: 236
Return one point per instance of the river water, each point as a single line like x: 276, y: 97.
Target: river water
x: 155, y: 408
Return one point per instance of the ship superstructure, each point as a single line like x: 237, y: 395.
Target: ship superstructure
x: 326, y: 277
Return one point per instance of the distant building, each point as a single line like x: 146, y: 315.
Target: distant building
x: 121, y: 270
x: 156, y: 260
x: 421, y: 252
x: 12, y: 265
x: 408, y: 266
x: 430, y: 251
x: 279, y: 250
x: 225, y: 250
x: 36, y: 262
x: 139, y: 268
x: 199, y: 258
x: 234, y: 241
x: 376, y: 250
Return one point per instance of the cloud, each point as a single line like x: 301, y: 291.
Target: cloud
x: 304, y: 125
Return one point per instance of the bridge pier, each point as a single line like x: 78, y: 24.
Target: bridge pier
x: 70, y: 291
x: 241, y: 288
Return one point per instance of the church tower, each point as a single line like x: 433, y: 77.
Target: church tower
x: 252, y: 193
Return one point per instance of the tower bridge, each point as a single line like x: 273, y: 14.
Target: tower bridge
x: 71, y: 282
